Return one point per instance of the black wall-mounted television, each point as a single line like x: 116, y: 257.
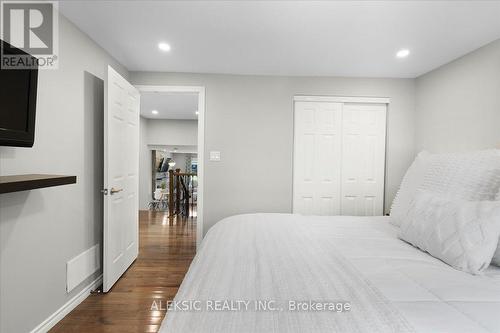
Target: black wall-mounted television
x: 18, y: 91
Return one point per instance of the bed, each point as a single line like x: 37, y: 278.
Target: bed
x: 390, y: 285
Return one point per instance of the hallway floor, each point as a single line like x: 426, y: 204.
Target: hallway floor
x: 165, y: 253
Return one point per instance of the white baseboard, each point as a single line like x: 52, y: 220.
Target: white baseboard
x: 54, y: 318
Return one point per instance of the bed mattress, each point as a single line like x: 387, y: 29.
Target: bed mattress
x: 430, y: 295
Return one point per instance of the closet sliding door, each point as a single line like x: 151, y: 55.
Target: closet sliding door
x: 363, y: 159
x: 339, y: 155
x: 317, y: 152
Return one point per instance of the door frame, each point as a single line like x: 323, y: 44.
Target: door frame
x: 200, y: 90
x: 342, y: 99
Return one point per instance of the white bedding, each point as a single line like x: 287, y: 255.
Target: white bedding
x: 430, y: 295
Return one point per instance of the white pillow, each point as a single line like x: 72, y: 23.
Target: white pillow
x: 411, y: 182
x: 463, y: 234
x: 496, y: 257
x: 472, y: 176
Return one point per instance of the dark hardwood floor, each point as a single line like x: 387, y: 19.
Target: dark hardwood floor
x: 165, y: 252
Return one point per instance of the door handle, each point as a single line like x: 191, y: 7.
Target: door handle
x: 113, y: 190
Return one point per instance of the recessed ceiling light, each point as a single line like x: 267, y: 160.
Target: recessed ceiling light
x: 154, y: 112
x: 164, y: 47
x: 403, y: 53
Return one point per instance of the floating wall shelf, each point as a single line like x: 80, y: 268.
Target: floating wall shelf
x: 17, y: 183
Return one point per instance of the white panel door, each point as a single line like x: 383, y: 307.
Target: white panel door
x: 121, y: 169
x: 317, y: 153
x: 363, y: 158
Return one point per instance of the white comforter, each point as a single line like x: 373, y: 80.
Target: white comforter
x: 427, y: 294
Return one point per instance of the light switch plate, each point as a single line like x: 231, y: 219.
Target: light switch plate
x: 214, y: 155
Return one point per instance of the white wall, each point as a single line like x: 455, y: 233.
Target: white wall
x: 161, y: 132
x: 145, y: 165
x: 458, y: 104
x: 181, y: 160
x: 172, y: 132
x: 249, y: 119
x: 40, y: 230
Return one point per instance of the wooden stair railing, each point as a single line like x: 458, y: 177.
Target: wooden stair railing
x: 181, y: 193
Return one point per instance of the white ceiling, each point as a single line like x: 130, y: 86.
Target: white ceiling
x: 169, y: 105
x: 341, y: 38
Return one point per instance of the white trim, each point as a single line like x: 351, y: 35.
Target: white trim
x: 342, y: 99
x: 201, y: 144
x: 148, y: 88
x: 57, y: 316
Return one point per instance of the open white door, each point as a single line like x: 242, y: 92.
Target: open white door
x: 121, y: 169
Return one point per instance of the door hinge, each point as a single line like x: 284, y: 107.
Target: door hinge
x: 104, y: 191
